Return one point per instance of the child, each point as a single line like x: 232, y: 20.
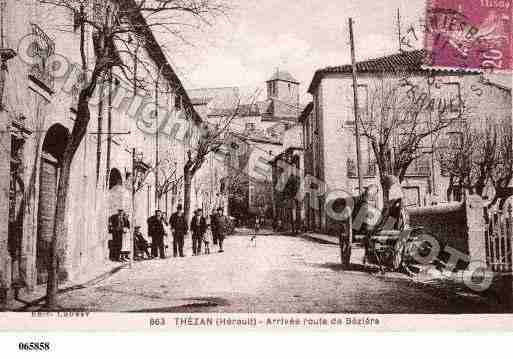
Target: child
x: 207, y: 237
x: 257, y: 228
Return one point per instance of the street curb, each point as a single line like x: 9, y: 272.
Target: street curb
x: 319, y: 240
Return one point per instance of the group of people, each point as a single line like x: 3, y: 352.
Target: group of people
x: 204, y: 231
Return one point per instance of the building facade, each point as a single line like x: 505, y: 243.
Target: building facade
x: 329, y: 124
x: 37, y: 113
x: 288, y: 195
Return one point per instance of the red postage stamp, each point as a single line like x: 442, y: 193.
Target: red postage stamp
x: 472, y: 34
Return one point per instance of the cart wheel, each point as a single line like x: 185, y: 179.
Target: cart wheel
x: 398, y: 255
x: 411, y: 269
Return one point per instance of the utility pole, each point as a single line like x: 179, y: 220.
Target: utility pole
x: 157, y: 202
x: 109, y: 123
x: 132, y: 217
x: 356, y: 114
x: 399, y: 29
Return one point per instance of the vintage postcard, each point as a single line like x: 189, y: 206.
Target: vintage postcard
x: 256, y: 164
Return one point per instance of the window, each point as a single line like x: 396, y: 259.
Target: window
x: 411, y: 196
x: 455, y: 139
x: 272, y: 88
x: 420, y: 166
x: 249, y: 127
x: 450, y: 144
x: 367, y: 155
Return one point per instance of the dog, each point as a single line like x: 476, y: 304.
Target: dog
x: 252, y: 241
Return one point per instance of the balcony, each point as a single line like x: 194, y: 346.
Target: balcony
x: 419, y: 168
x: 42, y: 48
x: 369, y: 169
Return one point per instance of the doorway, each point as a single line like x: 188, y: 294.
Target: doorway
x: 54, y: 144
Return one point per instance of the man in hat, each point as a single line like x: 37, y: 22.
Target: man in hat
x: 118, y: 224
x: 198, y: 228
x: 179, y: 228
x: 213, y: 224
x: 220, y: 226
x: 156, y: 231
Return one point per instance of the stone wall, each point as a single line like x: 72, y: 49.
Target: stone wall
x: 446, y: 222
x: 459, y: 225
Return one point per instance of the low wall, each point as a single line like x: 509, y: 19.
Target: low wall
x: 446, y: 222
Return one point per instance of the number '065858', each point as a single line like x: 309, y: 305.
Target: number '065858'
x: 34, y: 346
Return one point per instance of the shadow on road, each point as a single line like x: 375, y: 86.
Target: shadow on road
x: 38, y: 304
x: 338, y: 267
x: 204, y: 302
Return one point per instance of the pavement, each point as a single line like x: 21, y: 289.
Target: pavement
x: 278, y: 274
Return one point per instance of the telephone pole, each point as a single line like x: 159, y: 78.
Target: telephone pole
x: 157, y: 201
x: 356, y: 113
x: 399, y: 30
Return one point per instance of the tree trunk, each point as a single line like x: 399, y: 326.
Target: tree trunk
x: 384, y: 187
x: 56, y: 247
x: 187, y: 184
x: 58, y: 244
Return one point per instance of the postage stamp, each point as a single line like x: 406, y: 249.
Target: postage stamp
x: 472, y: 34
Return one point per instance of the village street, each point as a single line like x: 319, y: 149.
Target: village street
x: 282, y: 274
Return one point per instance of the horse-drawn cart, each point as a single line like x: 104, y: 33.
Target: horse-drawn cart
x: 390, y: 243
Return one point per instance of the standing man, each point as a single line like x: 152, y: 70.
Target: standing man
x: 156, y: 232
x: 118, y: 224
x: 198, y: 228
x: 220, y: 228
x: 179, y: 228
x: 213, y: 226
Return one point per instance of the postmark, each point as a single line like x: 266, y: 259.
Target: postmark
x: 470, y: 34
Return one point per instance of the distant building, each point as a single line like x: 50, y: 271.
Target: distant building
x: 288, y: 208
x: 256, y: 135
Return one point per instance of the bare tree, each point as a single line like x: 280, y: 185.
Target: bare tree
x: 208, y: 137
x: 402, y: 125
x: 168, y: 175
x: 502, y: 171
x: 475, y: 156
x: 110, y: 29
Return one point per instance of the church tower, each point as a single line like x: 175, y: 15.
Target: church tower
x: 283, y: 90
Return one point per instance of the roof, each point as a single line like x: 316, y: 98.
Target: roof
x: 257, y: 137
x: 258, y: 108
x: 203, y: 96
x: 283, y: 76
x: 156, y: 54
x: 407, y: 61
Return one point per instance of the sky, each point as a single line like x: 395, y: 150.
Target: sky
x: 299, y: 36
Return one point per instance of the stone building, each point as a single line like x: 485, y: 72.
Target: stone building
x: 329, y: 127
x: 37, y: 111
x: 288, y: 207
x: 256, y: 133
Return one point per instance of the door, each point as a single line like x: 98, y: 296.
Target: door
x: 46, y: 214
